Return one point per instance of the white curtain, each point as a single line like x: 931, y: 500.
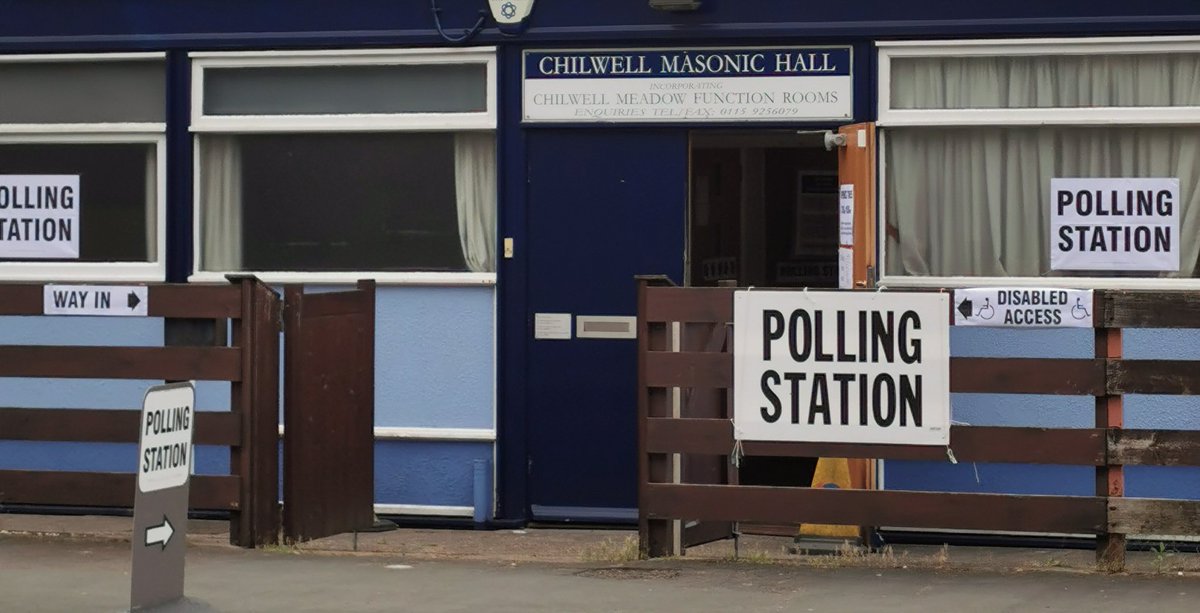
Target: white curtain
x: 1045, y: 81
x: 221, y: 203
x: 973, y: 200
x: 152, y: 204
x: 475, y: 195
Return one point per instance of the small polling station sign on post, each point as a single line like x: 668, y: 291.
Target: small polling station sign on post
x: 160, y: 507
x: 842, y: 367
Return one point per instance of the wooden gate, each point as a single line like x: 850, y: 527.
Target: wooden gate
x: 666, y: 437
x: 329, y: 410
x: 250, y: 362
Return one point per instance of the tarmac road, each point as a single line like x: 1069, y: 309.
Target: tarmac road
x: 48, y: 574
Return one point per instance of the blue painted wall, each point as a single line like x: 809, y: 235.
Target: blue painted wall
x: 435, y: 368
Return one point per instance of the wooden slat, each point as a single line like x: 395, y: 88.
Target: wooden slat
x: 1154, y: 447
x: 1154, y: 516
x: 332, y: 304
x: 1126, y: 309
x: 1027, y: 376
x: 169, y: 363
x: 785, y: 505
x: 1082, y: 446
x: 106, y: 426
x: 184, y: 301
x: 689, y: 304
x: 96, y: 489
x: 1153, y: 377
x: 688, y: 369
x: 196, y: 301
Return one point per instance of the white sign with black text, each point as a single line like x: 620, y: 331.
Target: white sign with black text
x: 1023, y: 307
x: 845, y: 367
x: 39, y: 217
x: 165, y: 448
x: 846, y: 214
x: 102, y: 300
x: 1114, y: 224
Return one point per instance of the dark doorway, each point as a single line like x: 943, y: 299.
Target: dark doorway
x: 763, y: 212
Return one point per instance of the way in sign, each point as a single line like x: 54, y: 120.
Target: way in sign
x: 73, y: 299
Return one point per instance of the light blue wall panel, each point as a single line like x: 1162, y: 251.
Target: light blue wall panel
x: 435, y: 357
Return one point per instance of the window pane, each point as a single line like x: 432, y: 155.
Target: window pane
x: 975, y: 201
x: 325, y: 90
x: 117, y: 193
x: 82, y: 92
x: 1046, y: 81
x: 349, y: 202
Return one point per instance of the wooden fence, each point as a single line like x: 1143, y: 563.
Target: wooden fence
x: 668, y: 438
x: 250, y: 362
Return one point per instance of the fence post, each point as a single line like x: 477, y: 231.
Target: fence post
x: 655, y: 536
x: 1110, y: 478
x: 256, y: 398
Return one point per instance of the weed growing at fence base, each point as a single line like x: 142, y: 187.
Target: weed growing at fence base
x: 612, y: 551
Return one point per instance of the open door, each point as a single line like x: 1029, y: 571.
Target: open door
x: 856, y: 168
x: 329, y: 411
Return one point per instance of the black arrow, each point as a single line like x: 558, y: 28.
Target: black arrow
x: 966, y: 308
x: 161, y: 533
x: 133, y: 300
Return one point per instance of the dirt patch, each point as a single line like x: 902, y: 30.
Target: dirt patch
x: 629, y: 573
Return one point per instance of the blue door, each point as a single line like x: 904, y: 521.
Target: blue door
x: 604, y: 205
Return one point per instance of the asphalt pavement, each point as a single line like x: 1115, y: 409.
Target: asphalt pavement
x: 48, y: 573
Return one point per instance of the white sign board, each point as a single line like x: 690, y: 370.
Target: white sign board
x: 552, y: 326
x: 103, y: 300
x: 39, y: 217
x: 845, y: 367
x: 1006, y: 307
x: 165, y: 448
x: 845, y: 268
x: 1114, y: 224
x: 742, y: 84
x: 846, y: 214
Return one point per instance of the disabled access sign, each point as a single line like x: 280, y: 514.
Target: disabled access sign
x: 1001, y: 307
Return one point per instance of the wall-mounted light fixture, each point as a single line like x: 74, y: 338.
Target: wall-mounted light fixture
x: 675, y: 5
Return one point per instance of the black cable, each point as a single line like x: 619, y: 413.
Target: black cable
x: 466, y: 35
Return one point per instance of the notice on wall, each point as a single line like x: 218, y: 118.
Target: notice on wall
x: 1114, y: 224
x: 846, y: 214
x: 689, y: 85
x: 552, y: 326
x: 845, y: 268
x: 1023, y: 307
x: 848, y: 367
x: 39, y: 217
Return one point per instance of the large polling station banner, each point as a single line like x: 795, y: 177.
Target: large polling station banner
x: 1114, y: 224
x: 39, y: 216
x: 689, y: 85
x: 846, y: 367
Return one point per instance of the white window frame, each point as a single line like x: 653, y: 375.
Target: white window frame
x: 89, y: 133
x: 1083, y: 116
x: 485, y: 121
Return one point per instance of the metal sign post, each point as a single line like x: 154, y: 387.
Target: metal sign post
x: 161, y: 501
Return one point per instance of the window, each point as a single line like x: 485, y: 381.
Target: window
x: 323, y: 165
x: 974, y: 133
x: 93, y: 125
